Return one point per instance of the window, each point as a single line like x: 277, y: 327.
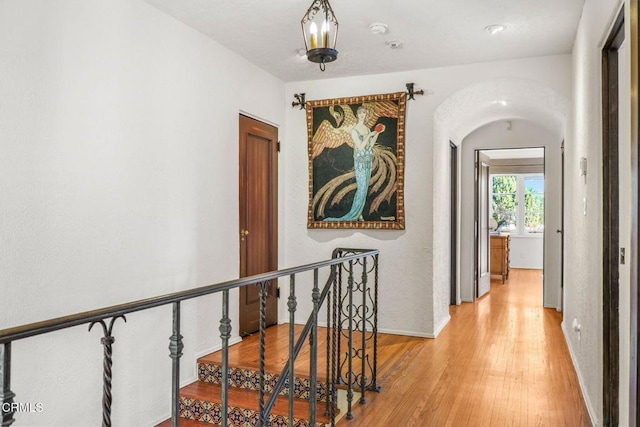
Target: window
x: 517, y: 203
x: 504, y: 201
x: 534, y: 204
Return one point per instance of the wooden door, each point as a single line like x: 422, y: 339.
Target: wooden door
x: 483, y: 271
x: 258, y: 232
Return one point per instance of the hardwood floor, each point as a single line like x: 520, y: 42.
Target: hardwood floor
x: 501, y: 361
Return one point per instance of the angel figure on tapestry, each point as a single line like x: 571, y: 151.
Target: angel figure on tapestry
x: 355, y: 166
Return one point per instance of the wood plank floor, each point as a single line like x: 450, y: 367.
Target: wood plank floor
x: 501, y: 361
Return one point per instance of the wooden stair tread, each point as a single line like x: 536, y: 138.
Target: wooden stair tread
x: 248, y: 399
x: 246, y: 354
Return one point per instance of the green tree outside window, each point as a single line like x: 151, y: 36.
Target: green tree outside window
x: 517, y: 202
x: 504, y: 201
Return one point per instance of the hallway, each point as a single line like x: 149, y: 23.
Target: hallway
x: 502, y: 361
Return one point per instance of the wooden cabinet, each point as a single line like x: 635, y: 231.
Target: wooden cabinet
x: 500, y: 256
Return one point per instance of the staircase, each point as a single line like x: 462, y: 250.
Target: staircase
x: 347, y: 350
x: 200, y: 401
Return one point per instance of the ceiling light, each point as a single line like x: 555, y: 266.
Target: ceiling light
x: 502, y: 102
x: 495, y: 29
x: 320, y: 48
x: 378, y: 28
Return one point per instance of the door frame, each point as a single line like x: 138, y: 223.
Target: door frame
x: 561, y: 230
x: 634, y: 18
x: 454, y: 224
x: 610, y: 223
x: 477, y: 228
x: 272, y: 209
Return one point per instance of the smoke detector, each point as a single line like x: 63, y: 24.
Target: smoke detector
x: 394, y: 44
x: 378, y: 28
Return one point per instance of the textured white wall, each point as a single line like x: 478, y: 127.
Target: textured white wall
x: 583, y: 234
x: 118, y: 134
x: 527, y: 252
x: 118, y: 181
x: 523, y: 134
x: 415, y: 262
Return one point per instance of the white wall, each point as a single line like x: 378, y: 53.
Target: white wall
x: 118, y: 181
x: 527, y: 251
x: 414, y: 271
x: 583, y: 233
x: 118, y: 171
x: 523, y: 134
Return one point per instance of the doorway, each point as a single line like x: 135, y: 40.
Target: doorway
x: 515, y: 206
x: 611, y: 223
x: 258, y: 234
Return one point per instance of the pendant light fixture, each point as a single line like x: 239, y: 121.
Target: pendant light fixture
x: 320, y: 31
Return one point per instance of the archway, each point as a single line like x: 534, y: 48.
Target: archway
x: 469, y: 110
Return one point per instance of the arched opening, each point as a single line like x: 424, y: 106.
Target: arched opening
x: 538, y: 116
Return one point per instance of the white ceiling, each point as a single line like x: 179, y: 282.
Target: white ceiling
x: 515, y: 153
x: 434, y: 33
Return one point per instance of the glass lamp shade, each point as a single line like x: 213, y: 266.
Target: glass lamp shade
x: 320, y: 31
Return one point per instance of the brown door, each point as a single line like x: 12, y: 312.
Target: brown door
x: 258, y: 232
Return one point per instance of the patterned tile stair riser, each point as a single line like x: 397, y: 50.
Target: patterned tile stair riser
x: 249, y: 380
x: 210, y: 413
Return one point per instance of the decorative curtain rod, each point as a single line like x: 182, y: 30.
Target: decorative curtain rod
x: 301, y: 102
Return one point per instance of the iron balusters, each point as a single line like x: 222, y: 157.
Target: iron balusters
x: 6, y: 395
x: 175, y: 352
x: 345, y: 319
x: 107, y: 342
x: 225, y: 334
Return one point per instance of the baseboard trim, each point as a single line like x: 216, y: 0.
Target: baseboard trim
x: 585, y: 395
x: 405, y: 333
x: 444, y: 322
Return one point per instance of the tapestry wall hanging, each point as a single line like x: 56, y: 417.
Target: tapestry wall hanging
x: 356, y: 162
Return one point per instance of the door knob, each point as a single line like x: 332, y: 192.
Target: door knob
x: 243, y: 234
x: 559, y: 231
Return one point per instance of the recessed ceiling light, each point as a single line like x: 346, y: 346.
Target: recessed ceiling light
x: 378, y: 28
x: 495, y: 29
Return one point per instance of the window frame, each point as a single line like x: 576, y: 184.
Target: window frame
x: 520, y: 202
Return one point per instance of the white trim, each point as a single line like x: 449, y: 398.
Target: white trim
x: 218, y: 347
x: 399, y: 332
x: 406, y: 333
x: 612, y: 21
x: 258, y: 118
x: 434, y: 334
x: 585, y: 395
x: 441, y: 326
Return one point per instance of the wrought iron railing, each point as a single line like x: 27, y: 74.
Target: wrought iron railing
x: 352, y: 310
